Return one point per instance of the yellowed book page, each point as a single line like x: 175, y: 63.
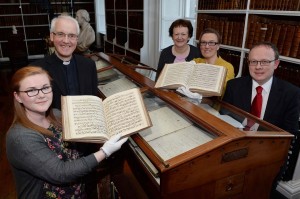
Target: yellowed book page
x: 172, y: 134
x: 125, y: 112
x: 116, y: 86
x: 178, y: 142
x: 164, y: 121
x: 83, y: 117
x: 207, y: 77
x: 174, y: 75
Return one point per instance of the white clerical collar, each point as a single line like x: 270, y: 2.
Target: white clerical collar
x: 66, y: 62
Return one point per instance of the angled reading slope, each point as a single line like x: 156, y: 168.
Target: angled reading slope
x: 205, y: 79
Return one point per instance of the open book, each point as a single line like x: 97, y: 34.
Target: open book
x: 205, y: 79
x: 87, y: 118
x: 116, y: 86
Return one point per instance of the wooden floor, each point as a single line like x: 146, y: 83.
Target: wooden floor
x: 7, y: 187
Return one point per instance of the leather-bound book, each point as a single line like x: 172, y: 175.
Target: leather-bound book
x: 296, y: 42
x: 288, y: 40
x: 281, y: 38
x: 276, y: 32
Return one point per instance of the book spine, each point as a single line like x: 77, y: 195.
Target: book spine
x: 251, y: 31
x: 288, y: 40
x: 281, y: 39
x: 269, y: 32
x: 276, y: 32
x: 295, y: 43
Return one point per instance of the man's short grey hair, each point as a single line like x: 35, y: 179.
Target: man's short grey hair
x: 53, y: 22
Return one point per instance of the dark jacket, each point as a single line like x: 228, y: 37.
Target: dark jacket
x: 86, y: 75
x: 283, y: 104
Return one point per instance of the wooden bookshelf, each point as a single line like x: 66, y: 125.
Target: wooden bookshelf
x: 125, y: 27
x: 243, y: 23
x: 32, y: 20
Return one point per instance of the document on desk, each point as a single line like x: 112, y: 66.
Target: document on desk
x: 172, y: 134
x: 116, y: 86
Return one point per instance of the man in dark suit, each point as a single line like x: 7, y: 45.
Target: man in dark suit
x: 72, y: 74
x: 280, y: 99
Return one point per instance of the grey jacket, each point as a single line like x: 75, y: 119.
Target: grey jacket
x: 33, y: 162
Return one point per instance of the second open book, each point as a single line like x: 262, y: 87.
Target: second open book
x: 205, y: 79
x: 88, y: 118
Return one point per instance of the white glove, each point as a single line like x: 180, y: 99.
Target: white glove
x: 185, y: 91
x: 113, y: 144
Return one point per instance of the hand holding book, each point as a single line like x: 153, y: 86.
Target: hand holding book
x: 113, y: 144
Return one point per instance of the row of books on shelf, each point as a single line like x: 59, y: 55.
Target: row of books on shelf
x: 9, y: 9
x: 119, y: 18
x: 289, y: 72
x: 254, y: 4
x: 136, y: 40
x: 36, y: 20
x: 11, y: 20
x: 285, y: 36
x: 136, y: 20
x: 124, y: 4
x: 121, y: 36
x: 222, y: 4
x: 31, y: 32
x: 39, y: 32
x: 230, y: 28
x: 37, y: 47
x: 275, y: 5
x: 34, y: 48
x: 5, y: 33
x: 110, y: 17
x: 110, y: 33
x: 232, y: 57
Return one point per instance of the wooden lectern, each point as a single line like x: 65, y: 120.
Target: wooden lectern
x: 193, y: 150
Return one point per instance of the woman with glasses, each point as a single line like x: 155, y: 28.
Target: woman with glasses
x: 44, y: 166
x: 209, y: 42
x: 181, y: 32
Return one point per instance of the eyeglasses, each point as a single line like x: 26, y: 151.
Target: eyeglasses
x: 62, y: 35
x: 262, y: 63
x: 210, y: 43
x: 34, y: 92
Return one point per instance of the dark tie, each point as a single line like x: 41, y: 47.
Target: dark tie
x: 255, y: 107
x: 257, y: 102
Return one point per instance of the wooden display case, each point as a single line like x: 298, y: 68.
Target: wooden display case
x: 192, y: 150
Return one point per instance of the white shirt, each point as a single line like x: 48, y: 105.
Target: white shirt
x: 265, y: 94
